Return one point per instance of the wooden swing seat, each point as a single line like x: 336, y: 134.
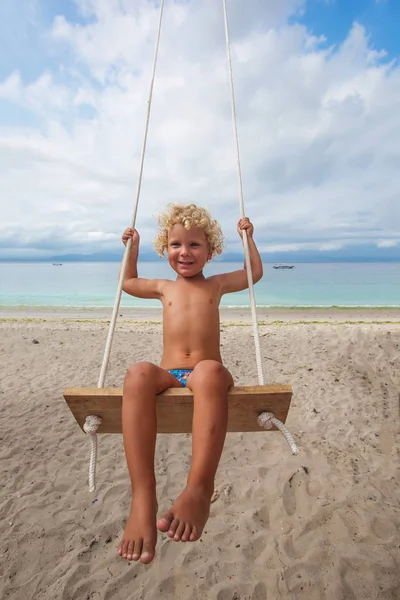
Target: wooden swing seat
x: 175, y: 407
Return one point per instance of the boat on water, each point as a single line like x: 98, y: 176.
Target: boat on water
x: 283, y: 266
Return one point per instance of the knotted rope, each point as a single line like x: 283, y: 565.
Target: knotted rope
x: 262, y: 420
x: 268, y: 420
x: 90, y: 427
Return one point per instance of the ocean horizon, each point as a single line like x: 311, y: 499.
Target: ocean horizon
x: 307, y: 285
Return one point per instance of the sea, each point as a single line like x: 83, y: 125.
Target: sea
x: 94, y: 284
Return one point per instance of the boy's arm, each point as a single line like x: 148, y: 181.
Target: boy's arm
x: 236, y: 281
x: 134, y: 285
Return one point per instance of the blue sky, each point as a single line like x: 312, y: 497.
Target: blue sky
x: 317, y: 85
x: 334, y: 18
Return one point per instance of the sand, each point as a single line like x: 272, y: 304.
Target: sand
x: 321, y: 525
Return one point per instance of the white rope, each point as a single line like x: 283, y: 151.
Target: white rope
x: 268, y: 420
x: 90, y: 427
x: 256, y: 332
x: 111, y: 330
x: 133, y: 220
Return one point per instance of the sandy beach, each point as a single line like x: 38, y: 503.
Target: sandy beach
x: 228, y: 315
x: 324, y: 525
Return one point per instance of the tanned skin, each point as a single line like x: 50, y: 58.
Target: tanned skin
x: 191, y: 340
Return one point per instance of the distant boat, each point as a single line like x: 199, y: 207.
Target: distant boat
x: 57, y: 264
x: 283, y: 266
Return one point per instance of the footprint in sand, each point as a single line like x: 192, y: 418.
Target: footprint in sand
x: 296, y: 495
x: 298, y: 579
x: 254, y: 549
x: 77, y: 584
x: 346, y: 574
x: 386, y: 441
x: 227, y: 594
x: 383, y: 528
x: 260, y: 592
x: 261, y: 517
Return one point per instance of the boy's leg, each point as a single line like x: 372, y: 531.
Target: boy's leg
x: 139, y: 427
x: 210, y: 382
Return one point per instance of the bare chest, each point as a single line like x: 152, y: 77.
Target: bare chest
x: 191, y: 301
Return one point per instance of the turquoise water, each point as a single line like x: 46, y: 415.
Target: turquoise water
x: 94, y: 284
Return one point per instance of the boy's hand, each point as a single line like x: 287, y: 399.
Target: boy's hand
x: 131, y: 233
x: 247, y: 225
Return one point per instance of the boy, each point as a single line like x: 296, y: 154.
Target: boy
x: 191, y: 358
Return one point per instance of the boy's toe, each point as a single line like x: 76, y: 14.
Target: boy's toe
x: 128, y: 550
x: 148, y: 552
x: 173, y: 527
x: 136, y: 550
x: 164, y: 522
x: 194, y: 536
x: 124, y: 548
x: 179, y: 531
x: 186, y: 534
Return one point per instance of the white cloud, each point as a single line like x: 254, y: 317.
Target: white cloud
x: 40, y: 96
x: 388, y: 243
x: 318, y: 127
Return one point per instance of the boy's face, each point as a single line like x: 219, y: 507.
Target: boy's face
x: 188, y: 250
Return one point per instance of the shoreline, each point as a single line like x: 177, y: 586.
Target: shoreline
x: 334, y: 314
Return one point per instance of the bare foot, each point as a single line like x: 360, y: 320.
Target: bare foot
x: 140, y: 535
x: 186, y: 518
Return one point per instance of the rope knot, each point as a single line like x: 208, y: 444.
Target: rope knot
x: 91, y: 424
x: 265, y: 420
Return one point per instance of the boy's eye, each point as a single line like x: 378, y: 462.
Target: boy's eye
x: 194, y: 244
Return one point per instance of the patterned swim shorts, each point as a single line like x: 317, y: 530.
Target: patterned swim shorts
x: 181, y: 375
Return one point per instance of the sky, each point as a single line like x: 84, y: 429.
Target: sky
x: 317, y: 86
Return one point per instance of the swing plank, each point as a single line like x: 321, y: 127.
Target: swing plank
x: 175, y: 407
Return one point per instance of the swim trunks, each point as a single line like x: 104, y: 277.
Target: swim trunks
x: 181, y: 375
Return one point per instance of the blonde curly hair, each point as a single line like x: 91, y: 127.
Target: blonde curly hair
x: 188, y: 215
